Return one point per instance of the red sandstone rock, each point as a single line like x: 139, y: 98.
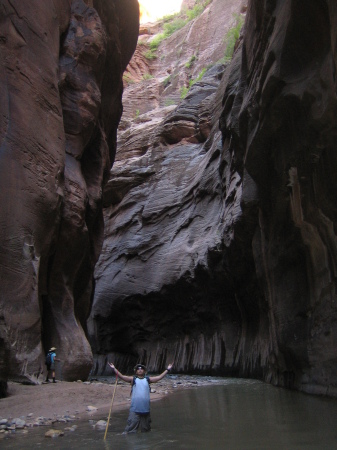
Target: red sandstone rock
x: 156, y: 80
x: 61, y: 90
x: 220, y: 253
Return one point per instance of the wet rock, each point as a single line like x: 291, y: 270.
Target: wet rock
x: 91, y: 408
x: 54, y: 433
x: 39, y: 421
x: 19, y: 423
x: 100, y: 425
x: 71, y: 417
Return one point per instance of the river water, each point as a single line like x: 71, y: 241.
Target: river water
x: 234, y: 414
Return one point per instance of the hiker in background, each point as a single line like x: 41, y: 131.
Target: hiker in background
x: 140, y: 398
x: 50, y: 363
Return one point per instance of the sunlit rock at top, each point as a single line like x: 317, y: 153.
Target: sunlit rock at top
x: 152, y: 10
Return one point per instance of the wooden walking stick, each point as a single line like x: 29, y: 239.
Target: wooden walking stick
x: 113, y: 396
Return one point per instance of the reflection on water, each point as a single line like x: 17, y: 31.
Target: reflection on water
x: 233, y: 415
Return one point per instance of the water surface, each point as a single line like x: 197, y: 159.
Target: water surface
x: 234, y: 415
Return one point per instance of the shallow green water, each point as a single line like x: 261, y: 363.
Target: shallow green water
x: 236, y: 415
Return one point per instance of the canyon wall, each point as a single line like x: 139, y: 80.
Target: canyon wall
x: 219, y: 252
x: 161, y: 291
x: 61, y: 87
x: 279, y: 125
x: 220, y: 242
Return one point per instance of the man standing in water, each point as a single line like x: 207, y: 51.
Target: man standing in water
x: 140, y: 399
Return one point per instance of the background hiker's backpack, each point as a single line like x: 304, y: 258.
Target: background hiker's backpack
x: 48, y: 359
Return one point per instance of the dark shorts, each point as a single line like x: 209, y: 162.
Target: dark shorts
x: 136, y: 419
x: 50, y: 367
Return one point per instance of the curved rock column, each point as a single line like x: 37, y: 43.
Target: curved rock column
x: 61, y: 87
x: 31, y: 170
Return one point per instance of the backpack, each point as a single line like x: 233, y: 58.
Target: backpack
x: 48, y: 359
x: 133, y: 382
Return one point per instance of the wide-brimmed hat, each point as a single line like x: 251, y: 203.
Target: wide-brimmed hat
x: 52, y: 349
x: 139, y: 366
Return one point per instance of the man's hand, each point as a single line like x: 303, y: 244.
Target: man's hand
x: 169, y: 367
x: 120, y: 375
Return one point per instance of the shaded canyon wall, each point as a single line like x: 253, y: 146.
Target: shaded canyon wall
x: 279, y: 122
x: 220, y: 241
x: 61, y: 88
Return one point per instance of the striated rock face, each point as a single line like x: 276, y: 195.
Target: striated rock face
x: 279, y: 125
x: 61, y: 88
x: 160, y: 233
x: 159, y: 290
x: 220, y: 245
x: 179, y: 59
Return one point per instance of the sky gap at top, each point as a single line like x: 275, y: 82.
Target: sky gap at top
x: 152, y: 10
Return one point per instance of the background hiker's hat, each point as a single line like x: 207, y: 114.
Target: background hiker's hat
x: 52, y: 349
x: 139, y: 366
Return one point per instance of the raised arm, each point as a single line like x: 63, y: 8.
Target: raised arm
x: 120, y: 375
x: 159, y: 377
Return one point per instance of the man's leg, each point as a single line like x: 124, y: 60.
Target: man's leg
x: 145, y: 422
x: 48, y: 368
x: 52, y: 368
x: 132, y: 423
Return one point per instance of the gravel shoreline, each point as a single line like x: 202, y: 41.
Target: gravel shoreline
x: 63, y: 404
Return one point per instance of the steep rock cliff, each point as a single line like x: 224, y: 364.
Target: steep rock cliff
x: 220, y: 245
x: 279, y: 123
x: 160, y: 285
x: 61, y: 87
x: 179, y: 59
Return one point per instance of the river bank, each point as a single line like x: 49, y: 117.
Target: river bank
x: 66, y: 403
x: 197, y: 414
